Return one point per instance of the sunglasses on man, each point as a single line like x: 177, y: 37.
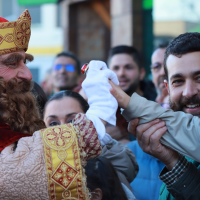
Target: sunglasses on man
x: 67, y: 67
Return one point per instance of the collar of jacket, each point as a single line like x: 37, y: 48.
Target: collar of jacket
x: 8, y: 136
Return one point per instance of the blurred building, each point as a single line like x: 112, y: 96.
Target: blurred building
x: 92, y: 27
x: 89, y: 28
x: 172, y: 18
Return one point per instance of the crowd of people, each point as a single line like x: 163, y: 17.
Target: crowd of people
x: 109, y: 134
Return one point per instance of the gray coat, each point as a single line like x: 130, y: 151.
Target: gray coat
x: 123, y: 160
x: 183, y: 129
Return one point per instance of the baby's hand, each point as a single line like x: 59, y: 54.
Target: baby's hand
x: 121, y: 97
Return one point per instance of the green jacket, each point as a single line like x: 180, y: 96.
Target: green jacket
x: 187, y: 187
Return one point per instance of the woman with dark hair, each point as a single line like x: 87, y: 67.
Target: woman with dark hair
x: 102, y: 180
x: 63, y: 107
x: 40, y: 97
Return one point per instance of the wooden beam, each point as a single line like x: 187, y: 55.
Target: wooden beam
x: 102, y: 12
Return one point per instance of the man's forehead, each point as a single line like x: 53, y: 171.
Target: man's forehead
x: 64, y: 60
x: 121, y: 59
x: 184, y: 64
x: 158, y: 55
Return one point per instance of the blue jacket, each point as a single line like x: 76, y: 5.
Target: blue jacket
x: 146, y: 185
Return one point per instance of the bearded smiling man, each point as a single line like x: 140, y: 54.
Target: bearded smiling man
x: 15, y: 96
x: 181, y: 133
x: 184, y: 87
x: 38, y: 162
x: 24, y: 173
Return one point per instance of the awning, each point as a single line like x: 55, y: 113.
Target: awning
x: 147, y: 4
x: 35, y: 2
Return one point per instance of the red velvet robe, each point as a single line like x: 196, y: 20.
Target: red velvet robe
x: 7, y: 136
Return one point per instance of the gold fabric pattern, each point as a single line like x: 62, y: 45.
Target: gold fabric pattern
x: 22, y: 33
x: 14, y: 36
x: 64, y: 175
x: 66, y: 178
x: 89, y: 144
x: 8, y: 38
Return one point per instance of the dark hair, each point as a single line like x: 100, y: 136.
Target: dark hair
x: 101, y: 174
x: 184, y: 43
x: 67, y: 93
x: 163, y: 45
x: 127, y: 50
x: 40, y: 97
x: 71, y: 55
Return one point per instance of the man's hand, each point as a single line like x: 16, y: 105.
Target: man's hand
x: 121, y: 97
x: 148, y: 136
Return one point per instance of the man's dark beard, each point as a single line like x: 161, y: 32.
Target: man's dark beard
x: 184, y: 101
x: 133, y: 87
x: 18, y: 106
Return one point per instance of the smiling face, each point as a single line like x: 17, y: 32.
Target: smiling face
x: 13, y: 65
x: 61, y: 111
x: 62, y: 79
x: 184, y: 82
x: 127, y: 71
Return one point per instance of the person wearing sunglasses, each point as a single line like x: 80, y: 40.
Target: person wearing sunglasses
x: 66, y: 72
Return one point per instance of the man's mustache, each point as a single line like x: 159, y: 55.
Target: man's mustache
x: 15, y: 86
x: 183, y: 102
x: 194, y: 100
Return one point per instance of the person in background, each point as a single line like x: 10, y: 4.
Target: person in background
x: 66, y: 72
x: 47, y: 83
x: 158, y: 74
x: 28, y: 168
x: 177, y: 133
x: 102, y: 180
x: 40, y: 97
x: 126, y: 62
x: 150, y: 166
x: 63, y: 106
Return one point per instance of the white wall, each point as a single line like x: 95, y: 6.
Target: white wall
x: 175, y: 10
x: 46, y: 40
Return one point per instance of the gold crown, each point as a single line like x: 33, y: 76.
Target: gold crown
x: 14, y: 36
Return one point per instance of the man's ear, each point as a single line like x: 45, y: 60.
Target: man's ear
x: 166, y: 85
x: 142, y: 73
x: 97, y: 194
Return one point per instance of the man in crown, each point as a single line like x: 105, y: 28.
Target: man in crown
x: 39, y: 163
x: 35, y: 164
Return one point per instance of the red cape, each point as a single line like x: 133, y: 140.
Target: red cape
x: 7, y: 136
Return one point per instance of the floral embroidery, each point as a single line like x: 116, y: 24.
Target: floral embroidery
x: 16, y: 33
x: 64, y: 175
x: 67, y: 149
x: 59, y: 137
x: 22, y: 33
